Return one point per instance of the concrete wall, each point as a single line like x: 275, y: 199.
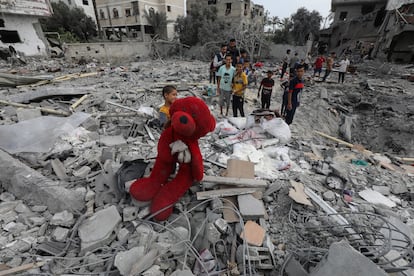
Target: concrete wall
x: 278, y: 51
x: 31, y: 41
x: 108, y: 51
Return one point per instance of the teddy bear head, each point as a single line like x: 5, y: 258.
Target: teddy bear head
x: 191, y: 118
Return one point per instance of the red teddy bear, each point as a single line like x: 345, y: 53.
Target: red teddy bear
x: 190, y: 120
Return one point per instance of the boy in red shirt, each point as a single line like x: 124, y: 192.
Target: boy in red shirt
x: 266, y: 86
x: 318, y: 65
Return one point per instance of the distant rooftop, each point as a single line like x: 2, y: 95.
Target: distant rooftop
x: 336, y: 3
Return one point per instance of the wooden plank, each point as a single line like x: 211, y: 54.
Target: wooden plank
x: 342, y: 142
x: 224, y: 193
x: 210, y: 181
x: 21, y: 268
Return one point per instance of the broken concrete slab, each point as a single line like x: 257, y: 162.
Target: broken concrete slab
x: 33, y: 187
x: 24, y: 114
x: 98, y: 230
x: 251, y: 207
x: 343, y: 260
x: 376, y: 198
x: 48, y: 92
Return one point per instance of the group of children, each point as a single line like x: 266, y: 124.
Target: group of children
x: 232, y: 82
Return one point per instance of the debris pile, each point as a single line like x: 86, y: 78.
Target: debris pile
x: 274, y: 200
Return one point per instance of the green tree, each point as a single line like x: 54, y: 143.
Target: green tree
x: 305, y: 22
x: 67, y: 20
x: 158, y: 21
x: 201, y: 25
x: 283, y: 35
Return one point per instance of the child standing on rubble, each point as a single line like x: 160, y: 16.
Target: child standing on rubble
x: 266, y: 87
x: 296, y: 86
x: 239, y: 86
x: 169, y: 93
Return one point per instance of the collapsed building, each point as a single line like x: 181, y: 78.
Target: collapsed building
x: 241, y: 13
x: 20, y: 28
x: 129, y: 18
x: 374, y: 28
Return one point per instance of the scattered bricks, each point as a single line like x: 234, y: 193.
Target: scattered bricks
x: 60, y: 234
x: 258, y: 257
x: 97, y: 230
x: 253, y: 233
x: 125, y: 260
x: 64, y: 218
x: 129, y: 213
x: 251, y: 207
x: 221, y: 225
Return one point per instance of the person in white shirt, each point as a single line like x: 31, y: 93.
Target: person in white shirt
x: 343, y: 67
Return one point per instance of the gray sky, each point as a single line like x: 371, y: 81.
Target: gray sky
x: 284, y: 8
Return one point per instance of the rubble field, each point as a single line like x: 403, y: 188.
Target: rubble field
x: 332, y: 195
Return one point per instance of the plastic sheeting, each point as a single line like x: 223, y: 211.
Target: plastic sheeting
x: 38, y: 134
x: 396, y: 4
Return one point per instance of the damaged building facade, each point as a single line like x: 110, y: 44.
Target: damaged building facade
x: 20, y: 27
x: 86, y: 5
x: 242, y: 13
x: 128, y: 17
x: 381, y: 28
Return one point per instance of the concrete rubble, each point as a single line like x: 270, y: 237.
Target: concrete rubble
x: 293, y: 202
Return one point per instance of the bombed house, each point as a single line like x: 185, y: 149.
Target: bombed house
x: 381, y: 28
x: 129, y: 18
x: 238, y: 12
x: 20, y: 27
